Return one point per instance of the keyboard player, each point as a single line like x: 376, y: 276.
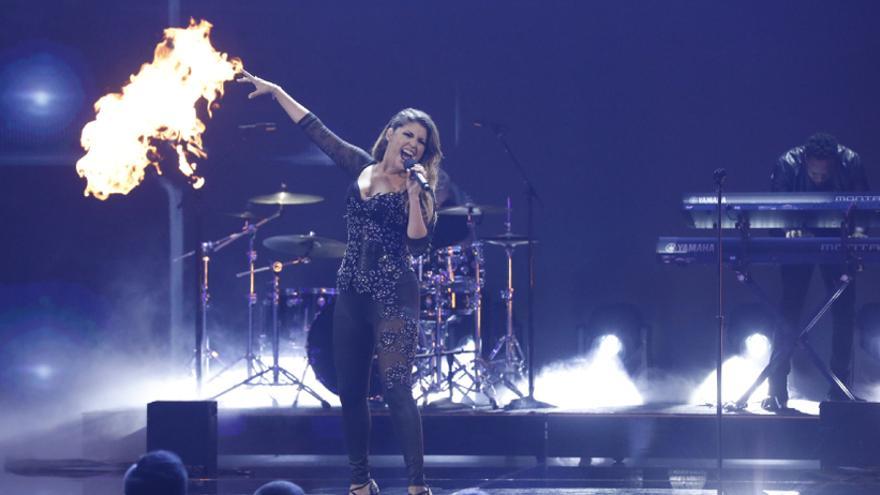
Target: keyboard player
x: 821, y: 164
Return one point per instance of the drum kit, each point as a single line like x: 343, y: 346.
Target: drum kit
x: 451, y: 280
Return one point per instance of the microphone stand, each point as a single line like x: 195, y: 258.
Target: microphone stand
x: 529, y: 401
x: 719, y: 175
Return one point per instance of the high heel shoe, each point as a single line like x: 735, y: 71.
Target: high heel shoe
x: 426, y: 491
x: 374, y: 488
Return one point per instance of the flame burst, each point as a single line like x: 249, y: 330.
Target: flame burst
x: 157, y: 104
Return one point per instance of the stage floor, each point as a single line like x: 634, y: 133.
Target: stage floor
x: 655, y: 449
x: 650, y: 431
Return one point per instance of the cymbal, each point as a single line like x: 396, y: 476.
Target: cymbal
x: 462, y: 210
x: 283, y: 198
x: 506, y: 239
x: 310, y: 245
x: 244, y: 215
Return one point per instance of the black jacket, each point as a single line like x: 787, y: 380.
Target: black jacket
x: 790, y: 172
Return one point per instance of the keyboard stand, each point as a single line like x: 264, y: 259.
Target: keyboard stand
x: 852, y: 264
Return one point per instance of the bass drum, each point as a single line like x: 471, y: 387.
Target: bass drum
x: 319, y: 349
x: 297, y: 310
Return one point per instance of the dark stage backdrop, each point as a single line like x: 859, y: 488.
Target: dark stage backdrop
x: 615, y: 108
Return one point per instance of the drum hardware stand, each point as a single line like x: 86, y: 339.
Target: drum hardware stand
x: 528, y: 402
x: 853, y: 265
x: 436, y: 381
x: 511, y: 368
x: 277, y: 371
x: 438, y: 344
x: 480, y: 366
x: 203, y: 354
x: 457, y: 369
x: 251, y: 360
x: 436, y: 349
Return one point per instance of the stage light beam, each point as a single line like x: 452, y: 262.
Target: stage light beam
x: 598, y: 379
x: 738, y: 372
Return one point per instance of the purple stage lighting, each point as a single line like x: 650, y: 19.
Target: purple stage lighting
x: 41, y: 96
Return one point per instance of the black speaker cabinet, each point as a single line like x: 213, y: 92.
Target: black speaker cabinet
x: 189, y: 429
x: 850, y: 434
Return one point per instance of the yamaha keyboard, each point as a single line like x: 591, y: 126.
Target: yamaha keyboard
x: 824, y: 210
x: 777, y: 250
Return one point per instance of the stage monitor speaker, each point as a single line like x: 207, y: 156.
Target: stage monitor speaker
x: 850, y: 435
x: 188, y: 429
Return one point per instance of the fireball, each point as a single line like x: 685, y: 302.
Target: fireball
x: 158, y: 104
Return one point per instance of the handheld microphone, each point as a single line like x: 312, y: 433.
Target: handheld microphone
x: 416, y: 176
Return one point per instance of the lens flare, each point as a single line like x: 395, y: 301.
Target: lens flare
x: 158, y: 104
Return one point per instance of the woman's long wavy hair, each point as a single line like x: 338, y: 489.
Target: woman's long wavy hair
x: 432, y: 155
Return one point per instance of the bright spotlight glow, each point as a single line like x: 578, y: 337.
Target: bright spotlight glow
x: 41, y: 98
x: 43, y: 371
x: 872, y: 393
x: 737, y: 373
x: 781, y: 492
x: 40, y: 93
x: 805, y: 406
x: 598, y: 379
x: 609, y: 345
x: 757, y: 346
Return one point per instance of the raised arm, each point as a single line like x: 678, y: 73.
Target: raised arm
x: 348, y: 157
x: 294, y: 109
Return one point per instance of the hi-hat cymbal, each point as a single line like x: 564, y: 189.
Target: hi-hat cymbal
x: 473, y: 209
x: 284, y: 198
x: 506, y: 239
x: 310, y: 245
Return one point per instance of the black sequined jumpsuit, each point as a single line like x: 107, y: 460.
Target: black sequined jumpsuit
x: 377, y: 309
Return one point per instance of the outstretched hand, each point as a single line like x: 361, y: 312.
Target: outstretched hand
x: 261, y: 86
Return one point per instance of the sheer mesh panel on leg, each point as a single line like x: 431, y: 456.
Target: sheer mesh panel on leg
x: 396, y: 350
